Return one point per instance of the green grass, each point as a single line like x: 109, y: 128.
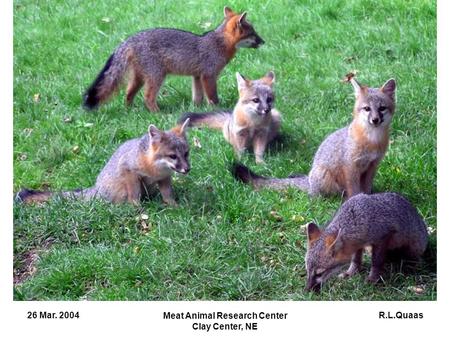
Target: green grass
x: 221, y: 243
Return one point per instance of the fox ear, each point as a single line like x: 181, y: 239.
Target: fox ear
x: 184, y: 126
x: 334, y: 242
x: 389, y: 88
x: 227, y: 12
x: 356, y: 86
x: 269, y: 78
x: 313, y: 233
x: 242, y: 18
x: 154, y: 133
x: 241, y: 81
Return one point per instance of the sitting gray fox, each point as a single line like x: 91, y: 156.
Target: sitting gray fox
x: 150, y: 55
x: 253, y: 122
x: 347, y: 160
x: 383, y: 221
x: 134, y: 167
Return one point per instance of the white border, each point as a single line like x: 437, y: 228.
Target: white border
x: 349, y: 319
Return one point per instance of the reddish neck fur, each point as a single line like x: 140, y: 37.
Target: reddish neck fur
x: 360, y: 132
x: 231, y: 36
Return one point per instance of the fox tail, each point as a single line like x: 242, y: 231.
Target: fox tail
x: 245, y: 175
x: 107, y: 81
x: 215, y: 120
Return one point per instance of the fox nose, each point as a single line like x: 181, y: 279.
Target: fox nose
x: 185, y: 170
x: 267, y: 110
x: 376, y: 120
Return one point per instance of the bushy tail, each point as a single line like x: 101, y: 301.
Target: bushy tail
x: 107, y: 81
x: 245, y: 175
x: 215, y: 120
x: 29, y: 196
x: 33, y: 196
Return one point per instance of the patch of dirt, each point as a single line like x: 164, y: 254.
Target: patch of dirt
x: 28, y: 261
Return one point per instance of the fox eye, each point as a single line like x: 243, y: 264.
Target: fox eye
x: 173, y: 156
x: 366, y: 108
x: 256, y: 100
x: 186, y: 154
x: 382, y: 109
x: 269, y: 99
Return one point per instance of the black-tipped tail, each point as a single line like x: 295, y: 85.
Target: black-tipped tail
x: 243, y: 174
x: 91, y: 98
x: 32, y: 196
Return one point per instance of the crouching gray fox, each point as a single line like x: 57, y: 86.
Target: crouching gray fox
x: 347, y: 160
x: 150, y: 55
x: 383, y: 221
x: 131, y: 171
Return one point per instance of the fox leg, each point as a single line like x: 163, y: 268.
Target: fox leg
x: 259, y: 145
x: 133, y: 188
x: 134, y: 84
x: 197, y: 90
x: 352, y: 182
x: 165, y: 187
x: 209, y: 84
x: 152, y: 86
x: 274, y: 125
x: 378, y: 257
x: 355, y: 265
x: 240, y: 143
x: 368, y: 176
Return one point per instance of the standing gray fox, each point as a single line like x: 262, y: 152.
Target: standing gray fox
x: 384, y: 222
x: 254, y: 121
x: 347, y: 160
x: 134, y: 167
x: 150, y: 55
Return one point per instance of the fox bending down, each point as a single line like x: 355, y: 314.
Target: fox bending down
x: 150, y: 55
x: 384, y: 221
x: 133, y: 168
x: 254, y: 122
x: 347, y: 160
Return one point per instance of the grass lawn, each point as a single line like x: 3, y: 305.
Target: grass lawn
x: 224, y: 241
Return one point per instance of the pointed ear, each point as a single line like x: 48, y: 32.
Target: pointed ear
x: 242, y: 18
x: 241, y: 81
x: 227, y: 12
x: 154, y: 133
x: 389, y: 88
x: 184, y: 126
x: 334, y: 242
x: 313, y: 233
x: 269, y: 78
x: 356, y: 86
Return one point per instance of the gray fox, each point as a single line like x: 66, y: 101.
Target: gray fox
x: 254, y: 121
x: 347, y: 160
x: 382, y: 221
x: 150, y: 55
x: 133, y: 168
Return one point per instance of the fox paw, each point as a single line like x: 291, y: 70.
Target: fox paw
x: 172, y: 203
x: 344, y: 275
x: 373, y: 278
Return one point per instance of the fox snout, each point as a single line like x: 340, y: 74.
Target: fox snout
x: 184, y: 171
x: 312, y: 284
x: 183, y: 168
x: 376, y: 120
x: 258, y: 41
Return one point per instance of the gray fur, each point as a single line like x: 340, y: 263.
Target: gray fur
x: 384, y: 221
x: 152, y: 54
x: 342, y: 163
